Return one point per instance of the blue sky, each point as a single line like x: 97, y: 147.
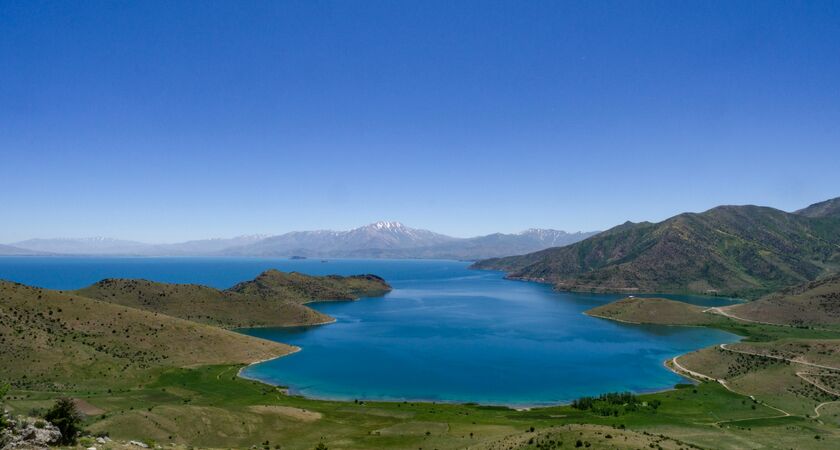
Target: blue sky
x: 164, y: 121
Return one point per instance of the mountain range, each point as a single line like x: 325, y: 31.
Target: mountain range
x: 8, y: 250
x: 742, y: 251
x: 382, y: 239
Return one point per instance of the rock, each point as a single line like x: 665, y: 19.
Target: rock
x: 101, y: 440
x: 29, y: 432
x: 138, y: 444
x: 91, y: 448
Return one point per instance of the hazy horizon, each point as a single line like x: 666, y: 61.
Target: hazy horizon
x: 269, y: 234
x: 333, y: 229
x: 166, y: 122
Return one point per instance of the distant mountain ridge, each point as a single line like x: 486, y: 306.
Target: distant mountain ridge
x: 383, y: 239
x: 828, y: 208
x: 8, y: 250
x: 91, y: 245
x: 743, y: 251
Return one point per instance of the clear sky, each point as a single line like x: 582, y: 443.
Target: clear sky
x: 164, y: 121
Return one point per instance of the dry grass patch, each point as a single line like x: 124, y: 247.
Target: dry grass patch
x: 654, y: 311
x: 303, y: 415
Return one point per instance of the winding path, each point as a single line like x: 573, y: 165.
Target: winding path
x: 701, y: 377
x: 795, y: 361
x: 817, y: 409
x: 720, y: 311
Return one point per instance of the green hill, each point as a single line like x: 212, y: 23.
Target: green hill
x: 303, y: 288
x: 828, y: 208
x: 658, y: 311
x: 743, y: 251
x: 52, y: 340
x: 814, y: 303
x: 273, y: 299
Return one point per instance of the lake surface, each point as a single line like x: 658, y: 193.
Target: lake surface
x: 445, y: 333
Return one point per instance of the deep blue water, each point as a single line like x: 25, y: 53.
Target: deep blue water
x: 445, y: 333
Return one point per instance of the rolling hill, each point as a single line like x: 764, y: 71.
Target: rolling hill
x: 744, y: 251
x: 814, y: 303
x: 274, y: 298
x: 62, y: 341
x: 658, y: 311
x: 828, y: 208
x: 301, y: 288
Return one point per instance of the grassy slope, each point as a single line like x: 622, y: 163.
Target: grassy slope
x: 816, y: 303
x: 204, y: 304
x: 273, y: 299
x: 828, y: 208
x: 210, y: 407
x: 654, y: 311
x: 303, y: 288
x: 53, y: 340
x: 775, y: 363
x: 741, y: 251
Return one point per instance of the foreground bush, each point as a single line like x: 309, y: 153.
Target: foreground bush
x: 67, y: 418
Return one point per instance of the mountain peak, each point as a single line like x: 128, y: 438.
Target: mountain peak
x: 539, y: 231
x: 386, y: 225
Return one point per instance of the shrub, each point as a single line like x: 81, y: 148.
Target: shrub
x: 67, y: 418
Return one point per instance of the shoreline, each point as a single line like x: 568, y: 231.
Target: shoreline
x: 288, y: 390
x: 295, y: 349
x: 588, y: 289
x: 513, y: 406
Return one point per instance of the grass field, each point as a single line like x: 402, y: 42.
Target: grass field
x: 211, y: 407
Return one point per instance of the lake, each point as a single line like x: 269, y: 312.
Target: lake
x: 445, y: 333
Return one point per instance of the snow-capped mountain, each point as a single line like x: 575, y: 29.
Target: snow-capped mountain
x: 358, y: 242
x: 384, y: 239
x: 394, y: 240
x: 489, y: 246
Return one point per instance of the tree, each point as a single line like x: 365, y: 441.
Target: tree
x: 67, y: 418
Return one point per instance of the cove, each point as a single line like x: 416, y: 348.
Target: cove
x: 449, y: 334
x: 445, y: 333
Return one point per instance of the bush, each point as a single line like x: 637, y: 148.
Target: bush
x: 67, y: 418
x: 609, y: 404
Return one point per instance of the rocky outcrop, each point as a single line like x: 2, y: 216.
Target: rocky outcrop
x: 29, y: 433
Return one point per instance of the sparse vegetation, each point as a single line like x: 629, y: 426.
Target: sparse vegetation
x: 737, y: 251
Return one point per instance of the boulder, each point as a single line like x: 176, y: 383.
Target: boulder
x: 29, y: 432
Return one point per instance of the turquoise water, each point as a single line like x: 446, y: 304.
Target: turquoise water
x: 445, y: 333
